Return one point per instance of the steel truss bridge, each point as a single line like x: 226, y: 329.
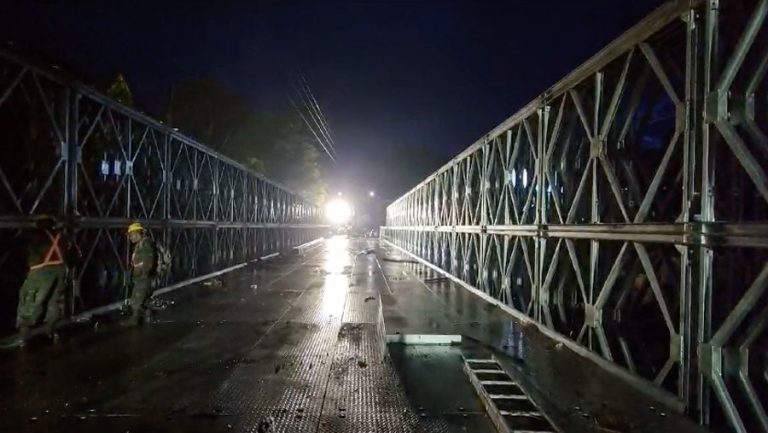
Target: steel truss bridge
x: 625, y: 210
x: 73, y: 153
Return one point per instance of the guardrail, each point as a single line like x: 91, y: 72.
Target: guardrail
x: 626, y: 209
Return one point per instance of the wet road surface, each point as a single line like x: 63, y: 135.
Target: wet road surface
x: 294, y: 345
x: 297, y: 344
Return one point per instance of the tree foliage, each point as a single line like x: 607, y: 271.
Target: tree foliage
x: 207, y: 111
x: 279, y: 146
x: 275, y: 144
x: 120, y: 92
x: 256, y: 165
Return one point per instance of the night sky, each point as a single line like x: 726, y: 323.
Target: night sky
x: 389, y: 75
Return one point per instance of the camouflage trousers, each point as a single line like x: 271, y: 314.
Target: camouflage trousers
x: 140, y: 296
x: 42, y: 294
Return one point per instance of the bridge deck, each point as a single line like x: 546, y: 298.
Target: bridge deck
x: 298, y: 344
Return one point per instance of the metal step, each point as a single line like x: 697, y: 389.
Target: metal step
x: 508, y: 397
x: 497, y: 382
x: 488, y: 371
x: 510, y: 412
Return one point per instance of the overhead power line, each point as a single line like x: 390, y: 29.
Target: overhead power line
x: 318, y: 111
x: 311, y: 114
x: 306, y: 122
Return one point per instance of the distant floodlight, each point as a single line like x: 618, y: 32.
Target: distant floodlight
x: 339, y: 194
x: 338, y: 211
x: 372, y: 194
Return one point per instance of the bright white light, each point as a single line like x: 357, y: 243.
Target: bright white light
x: 372, y: 194
x: 339, y: 194
x: 338, y: 211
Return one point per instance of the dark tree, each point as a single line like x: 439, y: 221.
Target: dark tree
x: 120, y: 92
x: 207, y: 111
x: 275, y: 144
x: 280, y: 147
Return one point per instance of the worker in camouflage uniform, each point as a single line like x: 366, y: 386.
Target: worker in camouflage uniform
x: 143, y: 271
x: 42, y: 293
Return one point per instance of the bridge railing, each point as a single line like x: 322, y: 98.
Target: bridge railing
x: 73, y: 153
x: 626, y: 210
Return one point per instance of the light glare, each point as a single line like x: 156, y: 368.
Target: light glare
x: 338, y: 211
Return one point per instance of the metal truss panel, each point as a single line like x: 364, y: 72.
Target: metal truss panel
x: 96, y: 166
x: 625, y: 208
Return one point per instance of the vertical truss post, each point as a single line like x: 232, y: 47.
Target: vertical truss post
x: 707, y: 214
x: 127, y: 144
x: 540, y: 217
x: 485, y: 189
x: 690, y: 203
x: 216, y: 214
x: 72, y: 161
x: 598, y: 149
x: 166, y: 190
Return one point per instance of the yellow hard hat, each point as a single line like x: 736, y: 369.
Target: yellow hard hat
x: 135, y: 227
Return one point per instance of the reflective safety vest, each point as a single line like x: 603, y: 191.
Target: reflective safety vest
x: 53, y: 256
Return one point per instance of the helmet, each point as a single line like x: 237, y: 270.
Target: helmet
x: 135, y: 227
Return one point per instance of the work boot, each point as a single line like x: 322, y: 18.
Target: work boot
x: 14, y: 344
x: 50, y: 331
x: 148, y: 315
x: 25, y: 333
x: 135, y: 318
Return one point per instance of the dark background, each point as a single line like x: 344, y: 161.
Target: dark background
x: 405, y: 85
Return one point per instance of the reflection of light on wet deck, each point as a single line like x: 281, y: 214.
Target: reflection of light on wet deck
x: 334, y: 295
x: 336, y: 284
x: 337, y: 256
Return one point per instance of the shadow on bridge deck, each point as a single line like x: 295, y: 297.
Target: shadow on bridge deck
x: 298, y: 345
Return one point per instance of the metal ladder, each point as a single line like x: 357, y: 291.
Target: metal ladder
x: 510, y: 409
